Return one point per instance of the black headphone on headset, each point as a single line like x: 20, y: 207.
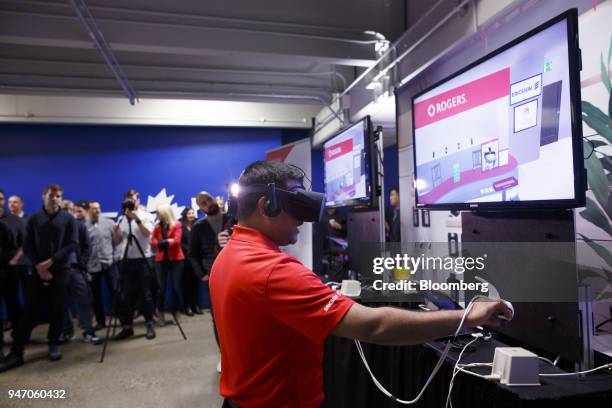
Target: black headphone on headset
x: 271, y: 206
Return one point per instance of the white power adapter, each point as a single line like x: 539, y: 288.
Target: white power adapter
x: 516, y: 366
x: 351, y: 288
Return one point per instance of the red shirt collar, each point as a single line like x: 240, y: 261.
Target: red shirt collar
x: 253, y: 236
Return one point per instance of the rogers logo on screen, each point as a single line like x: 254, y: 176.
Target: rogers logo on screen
x: 439, y: 107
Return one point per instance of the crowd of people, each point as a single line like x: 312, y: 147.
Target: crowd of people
x: 261, y: 296
x: 65, y: 253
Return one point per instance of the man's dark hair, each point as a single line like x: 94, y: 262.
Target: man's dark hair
x: 392, y: 189
x: 84, y: 204
x: 2, y: 192
x: 53, y: 187
x: 264, y: 172
x: 130, y: 193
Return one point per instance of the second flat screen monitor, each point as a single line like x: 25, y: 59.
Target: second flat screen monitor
x: 347, y: 167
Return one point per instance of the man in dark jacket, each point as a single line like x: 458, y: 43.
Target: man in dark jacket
x: 8, y: 248
x: 204, y: 246
x: 51, y: 236
x: 393, y: 216
x: 9, y: 289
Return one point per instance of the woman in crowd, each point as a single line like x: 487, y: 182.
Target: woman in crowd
x: 169, y: 258
x: 191, y: 283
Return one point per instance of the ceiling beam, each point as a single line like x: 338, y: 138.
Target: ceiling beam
x: 47, y: 66
x: 27, y: 28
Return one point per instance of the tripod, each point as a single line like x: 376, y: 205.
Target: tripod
x: 112, y: 319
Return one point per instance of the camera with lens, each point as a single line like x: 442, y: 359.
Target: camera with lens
x: 128, y: 205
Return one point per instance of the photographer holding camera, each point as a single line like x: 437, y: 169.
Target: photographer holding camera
x: 135, y: 226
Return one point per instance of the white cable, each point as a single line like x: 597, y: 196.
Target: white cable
x: 387, y: 393
x: 455, y: 372
x: 609, y: 365
x: 483, y: 376
x: 547, y: 360
x: 462, y: 367
x: 436, y: 368
x: 471, y: 365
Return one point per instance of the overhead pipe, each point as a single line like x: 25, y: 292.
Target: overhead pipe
x: 423, y: 38
x: 96, y: 35
x: 393, y: 48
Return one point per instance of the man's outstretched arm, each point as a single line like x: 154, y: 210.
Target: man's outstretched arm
x: 394, y: 327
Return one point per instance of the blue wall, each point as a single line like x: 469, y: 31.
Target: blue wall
x: 102, y: 162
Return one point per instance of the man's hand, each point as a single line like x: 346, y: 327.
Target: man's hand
x: 205, y: 278
x: 45, y: 275
x: 131, y: 215
x: 335, y: 224
x: 44, y: 266
x: 223, y: 238
x: 13, y: 262
x: 485, y: 312
x: 116, y: 234
x: 43, y: 270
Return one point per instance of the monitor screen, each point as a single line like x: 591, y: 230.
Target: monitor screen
x: 347, y: 167
x: 503, y: 132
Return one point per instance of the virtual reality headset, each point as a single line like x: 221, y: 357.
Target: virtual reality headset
x: 305, y: 206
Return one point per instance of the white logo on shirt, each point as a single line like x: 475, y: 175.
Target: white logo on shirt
x: 330, y: 303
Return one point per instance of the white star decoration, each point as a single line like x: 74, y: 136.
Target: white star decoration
x: 194, y: 205
x: 177, y: 210
x: 162, y: 198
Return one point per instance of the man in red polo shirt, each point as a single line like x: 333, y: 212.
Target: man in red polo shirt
x: 273, y: 314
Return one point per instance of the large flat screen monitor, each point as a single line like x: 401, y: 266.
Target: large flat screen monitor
x: 505, y: 131
x: 348, y: 166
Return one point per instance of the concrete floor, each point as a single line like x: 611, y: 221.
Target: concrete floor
x: 165, y: 372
